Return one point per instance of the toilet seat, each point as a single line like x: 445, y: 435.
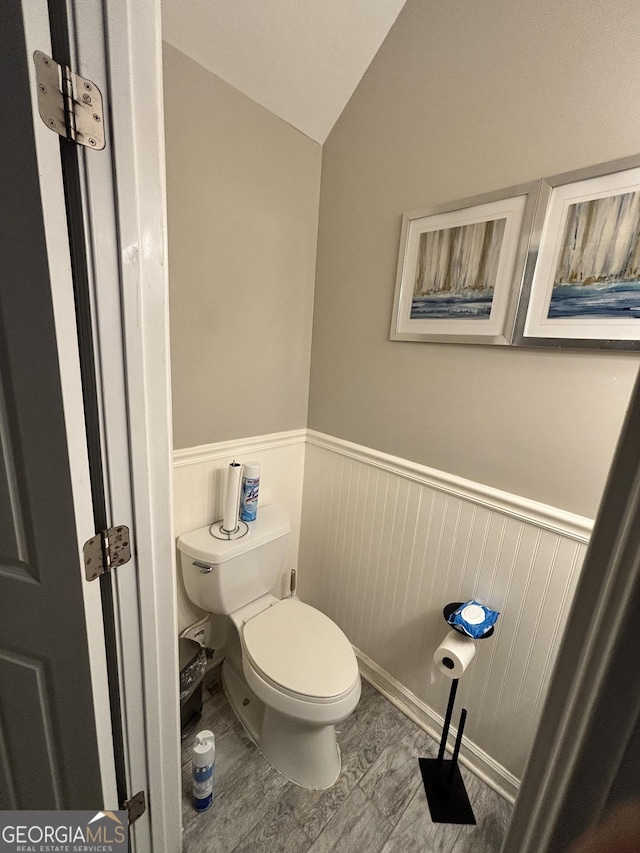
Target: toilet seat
x: 300, y: 652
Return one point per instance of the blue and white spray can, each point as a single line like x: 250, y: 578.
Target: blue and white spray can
x: 250, y: 489
x: 203, y: 763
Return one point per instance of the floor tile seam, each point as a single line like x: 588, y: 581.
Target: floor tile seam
x: 382, y: 816
x: 334, y: 816
x: 241, y: 841
x: 409, y: 801
x: 221, y: 815
x: 314, y: 837
x: 419, y: 792
x: 390, y: 826
x: 303, y: 831
x: 346, y: 742
x: 369, y: 767
x: 398, y: 828
x: 407, y: 740
x: 454, y: 840
x: 286, y: 792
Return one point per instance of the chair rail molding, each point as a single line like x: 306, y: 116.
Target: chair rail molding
x: 552, y: 518
x: 222, y: 449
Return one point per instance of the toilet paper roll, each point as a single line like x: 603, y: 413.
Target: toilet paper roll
x: 454, y: 654
x: 232, y: 498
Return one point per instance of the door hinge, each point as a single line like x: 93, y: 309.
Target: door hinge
x: 135, y: 806
x: 106, y: 550
x: 69, y: 104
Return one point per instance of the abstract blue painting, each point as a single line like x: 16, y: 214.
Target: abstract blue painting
x: 598, y: 270
x: 456, y: 271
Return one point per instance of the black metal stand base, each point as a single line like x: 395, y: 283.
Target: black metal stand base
x: 443, y: 783
x: 446, y: 794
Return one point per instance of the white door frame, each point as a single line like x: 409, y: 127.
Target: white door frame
x: 118, y: 46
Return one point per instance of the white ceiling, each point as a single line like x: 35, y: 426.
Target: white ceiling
x: 300, y: 59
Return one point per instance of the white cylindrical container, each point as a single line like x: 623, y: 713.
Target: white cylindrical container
x: 473, y: 614
x: 454, y: 654
x: 232, y: 498
x: 203, y: 762
x: 250, y: 489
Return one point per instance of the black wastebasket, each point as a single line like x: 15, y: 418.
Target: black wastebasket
x: 193, y: 662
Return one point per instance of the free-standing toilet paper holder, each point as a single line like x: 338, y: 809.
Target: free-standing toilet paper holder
x: 443, y: 783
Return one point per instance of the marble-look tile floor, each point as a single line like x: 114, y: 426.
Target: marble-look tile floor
x: 377, y: 804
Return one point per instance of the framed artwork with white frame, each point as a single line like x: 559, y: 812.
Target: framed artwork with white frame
x: 582, y: 282
x: 461, y: 266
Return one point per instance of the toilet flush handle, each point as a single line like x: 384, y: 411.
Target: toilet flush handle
x: 204, y: 568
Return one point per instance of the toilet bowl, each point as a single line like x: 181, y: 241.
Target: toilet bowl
x: 291, y: 676
x: 289, y: 672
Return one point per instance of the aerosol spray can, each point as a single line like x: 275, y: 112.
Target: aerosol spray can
x: 203, y: 766
x: 250, y: 488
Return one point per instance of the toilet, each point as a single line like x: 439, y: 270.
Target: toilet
x: 289, y: 672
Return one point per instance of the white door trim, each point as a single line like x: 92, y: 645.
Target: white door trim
x: 135, y: 62
x: 126, y: 219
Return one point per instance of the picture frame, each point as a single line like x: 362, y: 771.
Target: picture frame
x: 461, y: 267
x: 582, y: 278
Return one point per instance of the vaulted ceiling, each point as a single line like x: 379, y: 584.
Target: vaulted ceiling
x: 300, y: 59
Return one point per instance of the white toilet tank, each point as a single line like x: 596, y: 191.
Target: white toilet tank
x: 220, y: 576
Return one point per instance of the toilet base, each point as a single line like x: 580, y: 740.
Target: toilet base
x: 307, y: 755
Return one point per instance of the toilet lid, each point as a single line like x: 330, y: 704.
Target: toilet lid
x: 300, y: 649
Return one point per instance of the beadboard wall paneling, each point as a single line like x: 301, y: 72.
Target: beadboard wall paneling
x: 386, y: 544
x: 199, y: 482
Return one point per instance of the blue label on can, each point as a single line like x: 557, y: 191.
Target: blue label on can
x: 202, y: 787
x: 249, y: 498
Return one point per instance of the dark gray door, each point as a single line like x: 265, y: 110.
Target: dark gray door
x: 48, y: 747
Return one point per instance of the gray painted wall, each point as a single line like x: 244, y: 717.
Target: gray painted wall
x: 242, y: 189
x: 462, y: 99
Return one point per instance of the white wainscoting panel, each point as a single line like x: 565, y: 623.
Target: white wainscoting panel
x: 199, y: 482
x: 387, y: 543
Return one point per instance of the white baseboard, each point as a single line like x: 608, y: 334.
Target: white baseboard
x: 481, y: 764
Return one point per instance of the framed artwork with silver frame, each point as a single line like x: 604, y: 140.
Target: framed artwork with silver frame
x: 461, y: 266
x: 582, y: 279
